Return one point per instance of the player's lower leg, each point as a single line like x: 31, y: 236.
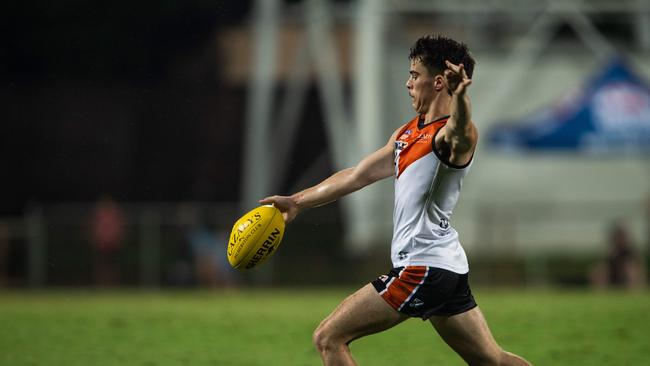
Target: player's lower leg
x: 469, y: 335
x: 510, y: 359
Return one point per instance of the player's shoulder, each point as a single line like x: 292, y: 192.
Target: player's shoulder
x: 405, y: 127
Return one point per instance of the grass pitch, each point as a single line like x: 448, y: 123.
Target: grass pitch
x: 273, y: 327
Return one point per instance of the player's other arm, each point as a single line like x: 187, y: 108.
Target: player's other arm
x: 374, y: 167
x: 460, y: 133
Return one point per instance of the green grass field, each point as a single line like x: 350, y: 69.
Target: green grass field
x: 273, y: 327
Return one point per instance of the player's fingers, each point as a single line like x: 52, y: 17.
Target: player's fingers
x: 462, y: 86
x: 462, y: 72
x: 465, y: 83
x: 451, y: 66
x: 288, y: 217
x: 268, y: 200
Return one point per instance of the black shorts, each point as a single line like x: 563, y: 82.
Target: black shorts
x: 422, y: 292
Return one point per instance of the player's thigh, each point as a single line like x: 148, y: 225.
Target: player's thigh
x: 469, y: 335
x: 362, y: 313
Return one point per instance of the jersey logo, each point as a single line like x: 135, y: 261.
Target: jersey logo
x: 400, y: 145
x: 424, y: 138
x: 444, y: 224
x: 416, y: 303
x: 405, y: 135
x: 413, y: 144
x: 402, y: 255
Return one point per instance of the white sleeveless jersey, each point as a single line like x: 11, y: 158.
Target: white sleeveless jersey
x: 426, y: 192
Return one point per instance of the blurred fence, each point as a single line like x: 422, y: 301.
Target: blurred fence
x: 183, y: 244
x: 552, y: 241
x: 54, y: 244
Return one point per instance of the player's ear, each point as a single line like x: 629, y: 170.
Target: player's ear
x: 438, y: 82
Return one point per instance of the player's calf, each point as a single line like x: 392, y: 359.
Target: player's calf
x: 510, y: 359
x: 494, y: 358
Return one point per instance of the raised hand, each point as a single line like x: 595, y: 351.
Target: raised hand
x: 456, y: 78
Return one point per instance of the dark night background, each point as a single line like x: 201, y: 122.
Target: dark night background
x: 118, y: 98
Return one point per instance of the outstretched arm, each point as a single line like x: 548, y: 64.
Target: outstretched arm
x: 376, y: 166
x: 460, y: 133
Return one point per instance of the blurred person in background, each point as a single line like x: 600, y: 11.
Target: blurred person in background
x: 107, y: 232
x: 622, y: 266
x: 211, y: 268
x: 428, y: 158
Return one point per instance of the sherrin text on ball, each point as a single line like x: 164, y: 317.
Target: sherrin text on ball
x: 255, y: 236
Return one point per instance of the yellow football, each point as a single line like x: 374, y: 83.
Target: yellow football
x: 255, y: 236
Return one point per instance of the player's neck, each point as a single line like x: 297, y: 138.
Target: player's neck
x: 438, y: 108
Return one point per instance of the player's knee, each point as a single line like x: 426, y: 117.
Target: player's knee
x: 321, y: 339
x: 324, y: 340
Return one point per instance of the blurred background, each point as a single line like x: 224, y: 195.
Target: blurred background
x: 134, y: 134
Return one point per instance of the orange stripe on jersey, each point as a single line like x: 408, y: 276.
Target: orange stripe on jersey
x: 401, y: 288
x: 413, y: 143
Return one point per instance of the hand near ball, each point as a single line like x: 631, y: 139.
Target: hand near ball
x: 285, y: 204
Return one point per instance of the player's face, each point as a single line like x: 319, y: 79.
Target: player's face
x: 420, y: 86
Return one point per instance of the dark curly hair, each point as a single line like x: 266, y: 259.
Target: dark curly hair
x: 433, y: 51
